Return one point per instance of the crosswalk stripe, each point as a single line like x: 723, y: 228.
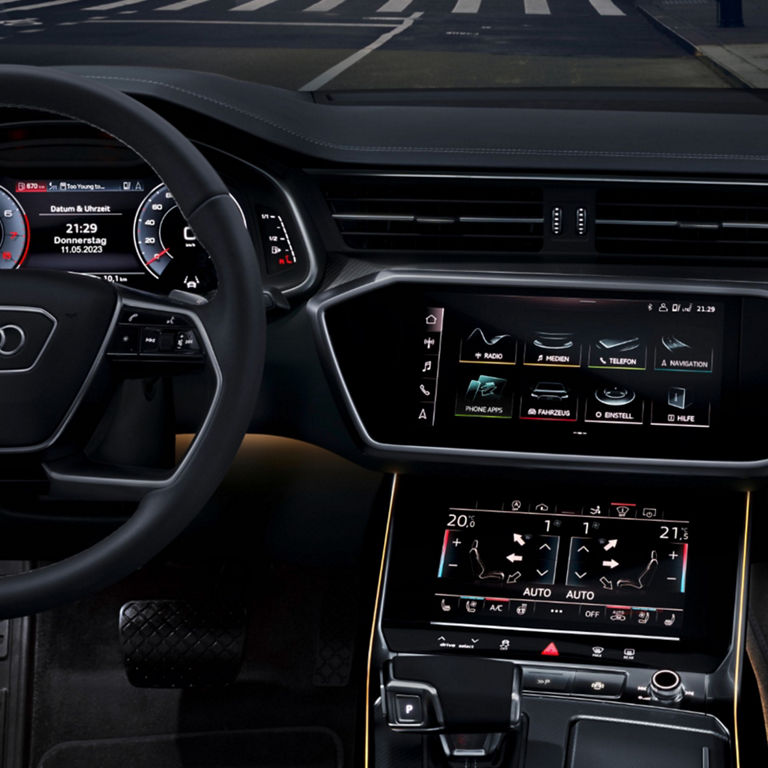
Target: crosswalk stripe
x: 111, y: 6
x: 394, y: 6
x: 35, y: 6
x: 323, y: 6
x: 466, y: 6
x: 181, y: 5
x: 537, y: 8
x: 606, y: 8
x: 253, y: 5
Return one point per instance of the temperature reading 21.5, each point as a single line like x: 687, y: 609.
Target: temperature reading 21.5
x: 460, y: 520
x: 674, y: 532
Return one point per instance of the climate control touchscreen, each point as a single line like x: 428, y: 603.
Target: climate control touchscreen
x: 616, y: 568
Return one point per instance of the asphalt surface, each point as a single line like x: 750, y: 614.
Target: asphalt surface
x: 360, y: 44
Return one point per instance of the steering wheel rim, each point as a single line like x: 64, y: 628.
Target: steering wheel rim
x: 232, y: 325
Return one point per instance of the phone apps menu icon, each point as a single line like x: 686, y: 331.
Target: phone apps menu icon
x: 484, y: 396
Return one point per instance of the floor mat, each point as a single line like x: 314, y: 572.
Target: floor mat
x: 269, y: 748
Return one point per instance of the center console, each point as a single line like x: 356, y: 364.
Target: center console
x: 526, y: 624
x: 577, y: 619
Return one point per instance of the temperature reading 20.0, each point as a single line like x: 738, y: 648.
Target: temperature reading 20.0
x: 674, y: 532
x: 460, y: 520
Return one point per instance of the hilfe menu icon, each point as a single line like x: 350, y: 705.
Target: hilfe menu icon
x: 679, y: 397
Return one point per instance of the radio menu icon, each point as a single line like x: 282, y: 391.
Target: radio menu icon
x: 482, y: 345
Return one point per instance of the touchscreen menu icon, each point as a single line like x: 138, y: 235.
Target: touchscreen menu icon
x: 622, y: 352
x: 553, y: 348
x: 683, y: 353
x: 614, y: 404
x: 680, y: 407
x: 549, y: 401
x: 484, y: 396
x: 482, y: 345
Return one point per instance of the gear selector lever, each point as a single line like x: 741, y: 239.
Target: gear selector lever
x: 472, y: 704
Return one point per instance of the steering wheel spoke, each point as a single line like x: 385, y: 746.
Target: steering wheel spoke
x: 151, y: 337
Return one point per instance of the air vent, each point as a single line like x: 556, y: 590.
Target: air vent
x: 703, y: 220
x: 402, y: 213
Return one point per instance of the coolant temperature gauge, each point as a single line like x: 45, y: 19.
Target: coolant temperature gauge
x: 276, y: 242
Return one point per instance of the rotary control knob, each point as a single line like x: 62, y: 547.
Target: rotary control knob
x: 666, y: 687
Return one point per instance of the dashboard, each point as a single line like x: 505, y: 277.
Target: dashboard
x: 550, y: 343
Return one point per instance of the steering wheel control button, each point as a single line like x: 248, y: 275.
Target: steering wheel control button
x: 125, y: 340
x: 409, y: 709
x: 155, y: 336
x: 24, y: 334
x: 610, y: 684
x: 547, y: 680
x: 186, y: 341
x: 150, y: 340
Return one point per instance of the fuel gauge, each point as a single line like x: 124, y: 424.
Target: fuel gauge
x: 276, y: 242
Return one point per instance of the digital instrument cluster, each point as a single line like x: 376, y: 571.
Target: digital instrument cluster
x: 124, y: 230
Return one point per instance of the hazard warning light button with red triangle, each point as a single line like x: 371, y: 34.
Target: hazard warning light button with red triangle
x: 550, y: 650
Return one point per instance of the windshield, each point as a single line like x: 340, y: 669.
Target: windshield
x: 311, y: 45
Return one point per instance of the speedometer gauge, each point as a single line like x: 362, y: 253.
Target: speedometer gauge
x: 167, y: 246
x: 14, y: 231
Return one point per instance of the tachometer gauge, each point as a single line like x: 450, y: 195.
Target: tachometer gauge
x: 14, y: 231
x: 167, y: 246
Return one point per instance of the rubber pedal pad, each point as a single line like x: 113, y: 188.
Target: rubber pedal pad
x: 181, y: 643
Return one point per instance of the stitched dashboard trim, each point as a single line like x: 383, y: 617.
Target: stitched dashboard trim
x: 511, y: 151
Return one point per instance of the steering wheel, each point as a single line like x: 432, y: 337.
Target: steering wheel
x: 66, y: 324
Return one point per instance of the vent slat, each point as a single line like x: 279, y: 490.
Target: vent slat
x: 676, y: 220
x: 422, y: 214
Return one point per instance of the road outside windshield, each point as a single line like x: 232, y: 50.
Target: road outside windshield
x: 405, y: 44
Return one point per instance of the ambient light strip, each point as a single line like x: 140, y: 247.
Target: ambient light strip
x: 739, y: 661
x: 373, y: 622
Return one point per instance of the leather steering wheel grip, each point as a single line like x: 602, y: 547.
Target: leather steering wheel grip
x: 234, y: 320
